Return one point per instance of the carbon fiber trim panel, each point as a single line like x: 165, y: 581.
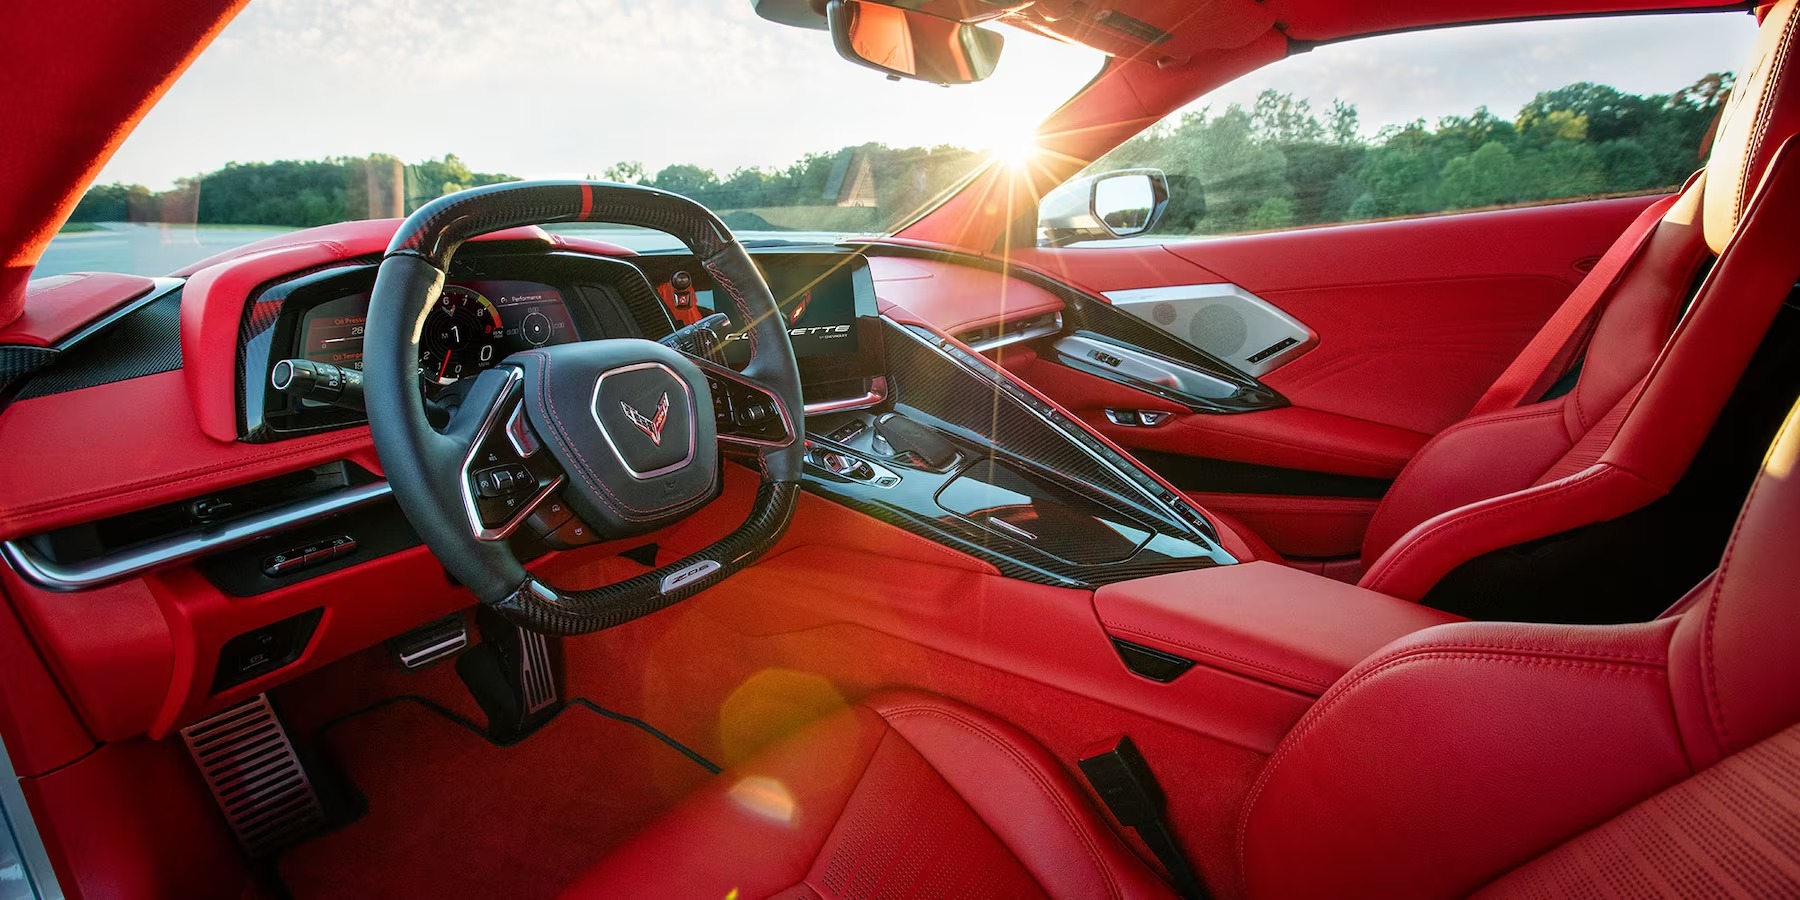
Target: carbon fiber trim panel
x: 146, y: 341
x: 18, y: 363
x: 441, y: 226
x: 542, y: 608
x: 995, y: 425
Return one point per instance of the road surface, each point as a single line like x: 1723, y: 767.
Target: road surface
x: 161, y: 249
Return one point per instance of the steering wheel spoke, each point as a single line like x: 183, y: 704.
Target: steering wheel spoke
x: 746, y: 412
x: 578, y: 442
x: 506, y: 476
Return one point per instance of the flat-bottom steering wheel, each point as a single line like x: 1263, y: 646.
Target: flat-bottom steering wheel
x: 621, y: 431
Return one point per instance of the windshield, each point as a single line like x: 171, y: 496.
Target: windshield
x: 311, y: 113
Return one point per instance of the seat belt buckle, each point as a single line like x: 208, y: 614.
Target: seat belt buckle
x: 1119, y: 774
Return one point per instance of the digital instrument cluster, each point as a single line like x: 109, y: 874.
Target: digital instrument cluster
x: 472, y: 327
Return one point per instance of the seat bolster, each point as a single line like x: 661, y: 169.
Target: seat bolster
x: 1424, y: 555
x: 1470, y: 461
x: 1023, y: 794
x: 832, y: 806
x: 1458, y: 753
x: 755, y: 829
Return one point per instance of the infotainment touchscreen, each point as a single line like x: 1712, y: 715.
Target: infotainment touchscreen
x: 826, y: 302
x: 817, y: 298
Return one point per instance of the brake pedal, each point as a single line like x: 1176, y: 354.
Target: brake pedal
x: 250, y: 766
x: 514, y: 674
x: 431, y: 642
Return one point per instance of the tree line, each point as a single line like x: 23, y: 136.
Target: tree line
x: 1280, y: 163
x: 1277, y: 164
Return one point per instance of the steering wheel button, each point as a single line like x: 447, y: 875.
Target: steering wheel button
x: 549, y: 516
x: 573, y: 533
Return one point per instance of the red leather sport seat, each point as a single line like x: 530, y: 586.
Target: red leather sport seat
x: 1651, y: 759
x: 1656, y: 372
x: 903, y: 795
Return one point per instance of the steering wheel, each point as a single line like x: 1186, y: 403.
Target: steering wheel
x: 621, y: 432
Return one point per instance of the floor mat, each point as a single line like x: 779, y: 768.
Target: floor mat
x: 451, y: 814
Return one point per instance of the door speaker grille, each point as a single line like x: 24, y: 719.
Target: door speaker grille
x: 250, y: 766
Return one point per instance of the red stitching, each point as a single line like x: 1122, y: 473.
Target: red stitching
x: 1306, y: 679
x: 1717, y: 713
x: 176, y: 478
x: 587, y: 473
x: 1337, y: 694
x: 1381, y: 574
x: 1030, y: 770
x: 737, y: 299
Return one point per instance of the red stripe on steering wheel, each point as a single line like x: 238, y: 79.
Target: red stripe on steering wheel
x: 587, y: 201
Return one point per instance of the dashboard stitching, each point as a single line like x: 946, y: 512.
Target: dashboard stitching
x: 91, y: 497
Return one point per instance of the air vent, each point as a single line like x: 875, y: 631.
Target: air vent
x: 251, y: 768
x: 1016, y: 331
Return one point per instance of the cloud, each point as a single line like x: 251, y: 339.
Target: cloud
x: 1394, y: 79
x: 569, y: 87
x: 561, y: 87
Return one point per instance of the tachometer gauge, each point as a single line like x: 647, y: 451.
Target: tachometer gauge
x: 461, y: 336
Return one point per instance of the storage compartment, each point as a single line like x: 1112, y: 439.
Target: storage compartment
x: 1263, y: 621
x: 1005, y: 500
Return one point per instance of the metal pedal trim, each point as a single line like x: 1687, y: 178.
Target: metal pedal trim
x: 537, y: 680
x: 255, y: 776
x: 445, y: 643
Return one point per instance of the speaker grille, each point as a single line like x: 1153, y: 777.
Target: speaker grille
x: 1219, y: 330
x: 1163, y: 314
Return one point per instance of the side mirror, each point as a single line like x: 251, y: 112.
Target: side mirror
x: 906, y: 43
x: 1120, y: 204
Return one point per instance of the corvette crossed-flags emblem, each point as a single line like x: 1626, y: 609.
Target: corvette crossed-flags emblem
x: 650, y: 426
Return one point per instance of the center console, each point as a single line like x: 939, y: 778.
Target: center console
x: 1262, y: 621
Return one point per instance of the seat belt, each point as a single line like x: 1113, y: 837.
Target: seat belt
x: 1537, y: 366
x: 1123, y: 781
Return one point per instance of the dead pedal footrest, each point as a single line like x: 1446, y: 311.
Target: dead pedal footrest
x: 253, y: 772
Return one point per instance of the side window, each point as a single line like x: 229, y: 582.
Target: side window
x: 1442, y: 121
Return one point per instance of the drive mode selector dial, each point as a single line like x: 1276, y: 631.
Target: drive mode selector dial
x: 460, y: 338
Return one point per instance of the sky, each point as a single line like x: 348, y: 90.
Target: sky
x: 547, y: 88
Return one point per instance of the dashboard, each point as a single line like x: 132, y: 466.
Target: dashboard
x: 904, y: 425
x: 473, y: 326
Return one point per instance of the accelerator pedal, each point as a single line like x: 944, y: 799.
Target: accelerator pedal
x: 514, y: 674
x: 431, y: 642
x: 253, y: 772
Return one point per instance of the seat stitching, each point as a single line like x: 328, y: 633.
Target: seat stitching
x: 1132, y: 629
x: 1332, y: 698
x: 1552, y: 651
x: 1717, y: 713
x: 1037, y: 777
x: 1764, y: 113
x: 1463, y: 521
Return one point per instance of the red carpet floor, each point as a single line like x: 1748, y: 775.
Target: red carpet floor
x: 453, y: 815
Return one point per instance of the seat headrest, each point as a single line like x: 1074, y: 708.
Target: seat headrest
x: 1763, y: 111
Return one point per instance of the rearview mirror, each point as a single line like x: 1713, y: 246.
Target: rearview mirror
x: 1125, y: 203
x: 906, y: 43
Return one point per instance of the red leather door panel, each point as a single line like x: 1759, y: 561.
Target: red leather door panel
x: 1415, y: 318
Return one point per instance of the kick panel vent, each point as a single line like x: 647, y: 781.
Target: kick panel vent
x: 250, y: 766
